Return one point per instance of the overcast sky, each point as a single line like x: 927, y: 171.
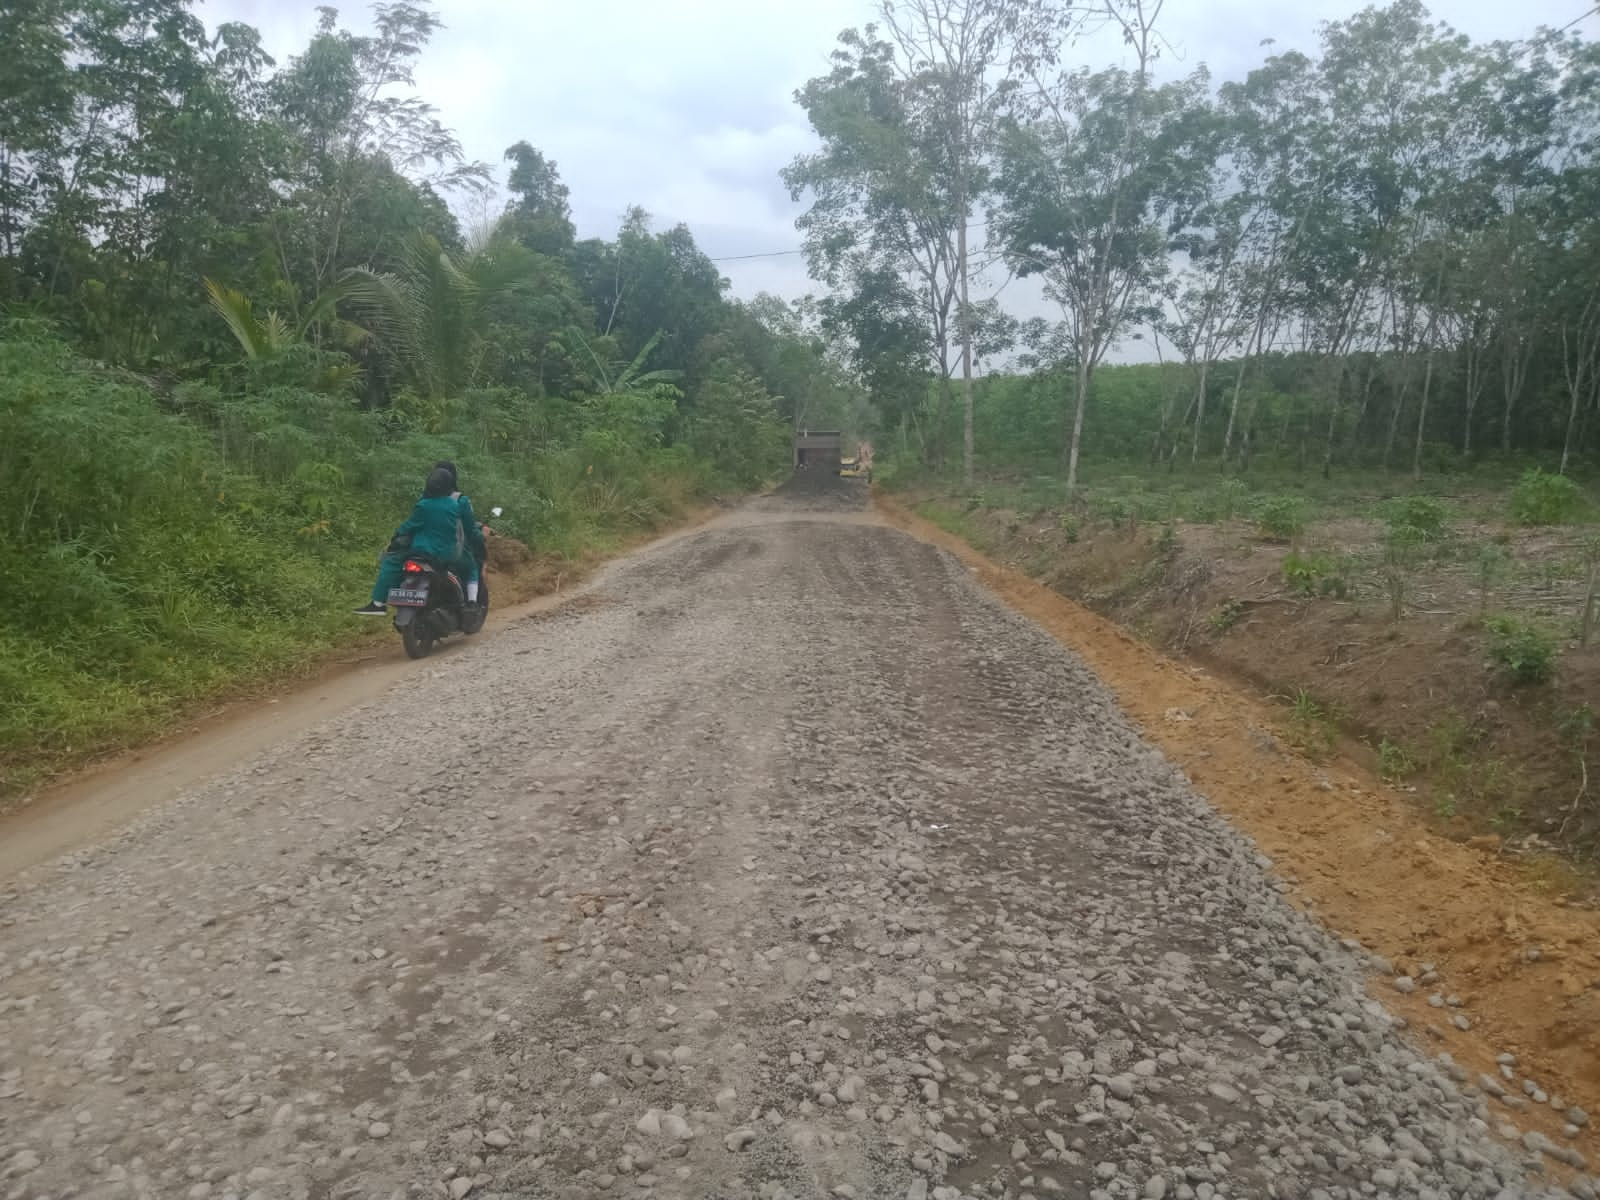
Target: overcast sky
x: 686, y: 106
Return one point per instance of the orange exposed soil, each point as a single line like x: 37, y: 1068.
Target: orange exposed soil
x: 1525, y: 966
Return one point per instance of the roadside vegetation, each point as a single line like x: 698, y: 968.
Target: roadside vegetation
x: 241, y: 316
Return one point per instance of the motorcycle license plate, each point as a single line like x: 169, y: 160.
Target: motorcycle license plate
x: 409, y: 597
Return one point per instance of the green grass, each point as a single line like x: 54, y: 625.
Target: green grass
x: 1313, y: 726
x: 1121, y: 490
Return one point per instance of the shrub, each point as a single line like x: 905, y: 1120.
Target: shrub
x: 1544, y: 499
x: 1280, y: 518
x: 1403, y: 549
x: 1231, y: 495
x: 1524, y: 652
x: 1426, y: 517
x: 1313, y: 728
x: 1226, y: 616
x: 1394, y: 761
x: 1492, y: 561
x: 1315, y: 575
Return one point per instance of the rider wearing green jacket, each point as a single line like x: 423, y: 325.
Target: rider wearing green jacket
x: 441, y: 527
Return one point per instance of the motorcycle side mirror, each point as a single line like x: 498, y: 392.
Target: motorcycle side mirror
x: 495, y: 512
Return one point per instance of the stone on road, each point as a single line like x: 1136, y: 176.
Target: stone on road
x: 788, y: 864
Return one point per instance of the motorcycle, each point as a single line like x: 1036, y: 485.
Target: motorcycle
x: 430, y: 603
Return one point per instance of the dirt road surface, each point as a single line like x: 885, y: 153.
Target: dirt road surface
x: 787, y: 863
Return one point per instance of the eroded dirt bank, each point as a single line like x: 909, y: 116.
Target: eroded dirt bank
x: 793, y: 864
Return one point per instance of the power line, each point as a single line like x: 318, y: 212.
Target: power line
x: 1575, y: 20
x: 763, y: 254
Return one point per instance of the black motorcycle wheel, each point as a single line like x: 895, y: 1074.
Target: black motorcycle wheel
x: 417, y: 637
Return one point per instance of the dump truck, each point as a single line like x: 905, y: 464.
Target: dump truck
x: 818, y: 449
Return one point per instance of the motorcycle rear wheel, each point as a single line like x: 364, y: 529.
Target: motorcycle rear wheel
x: 417, y: 637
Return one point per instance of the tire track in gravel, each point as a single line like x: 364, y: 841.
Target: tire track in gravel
x: 797, y: 867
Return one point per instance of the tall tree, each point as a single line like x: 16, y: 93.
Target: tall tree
x: 947, y: 52
x: 888, y: 202
x: 348, y: 105
x: 1094, y: 176
x: 539, y: 212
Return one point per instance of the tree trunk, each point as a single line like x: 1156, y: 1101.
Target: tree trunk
x: 1475, y: 383
x: 1233, y: 410
x: 1394, y: 416
x: 1177, y: 440
x: 1159, y: 443
x: 1422, y: 418
x: 1200, y: 409
x: 966, y: 359
x: 1514, y: 363
x: 1405, y: 387
x: 1577, y: 361
x: 1572, y: 422
x: 942, y: 420
x: 1366, y: 403
x: 1333, y: 422
x: 1233, y: 407
x: 1081, y: 390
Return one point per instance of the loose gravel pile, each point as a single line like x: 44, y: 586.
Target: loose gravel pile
x: 797, y: 868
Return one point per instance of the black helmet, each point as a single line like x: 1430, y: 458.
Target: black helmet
x: 445, y: 464
x: 440, y: 483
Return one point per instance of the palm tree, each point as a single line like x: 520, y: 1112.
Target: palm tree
x: 266, y: 337
x: 431, y: 312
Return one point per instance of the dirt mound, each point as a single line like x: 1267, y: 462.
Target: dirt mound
x: 506, y: 554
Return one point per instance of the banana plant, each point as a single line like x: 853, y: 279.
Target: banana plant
x: 632, y: 377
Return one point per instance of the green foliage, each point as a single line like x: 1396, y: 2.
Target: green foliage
x: 1577, y: 726
x: 1425, y: 518
x: 1526, y: 653
x: 1231, y: 497
x: 1544, y: 499
x: 1316, y: 575
x: 1280, y: 518
x: 292, y: 325
x: 191, y: 542
x: 1394, y: 761
x: 1313, y: 728
x: 1404, y: 549
x: 733, y: 426
x: 1226, y: 616
x: 1492, y: 562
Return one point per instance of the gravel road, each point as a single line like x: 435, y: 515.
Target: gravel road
x: 782, y: 863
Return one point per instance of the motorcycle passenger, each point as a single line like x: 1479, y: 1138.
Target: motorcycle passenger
x: 469, y: 522
x: 441, y: 527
